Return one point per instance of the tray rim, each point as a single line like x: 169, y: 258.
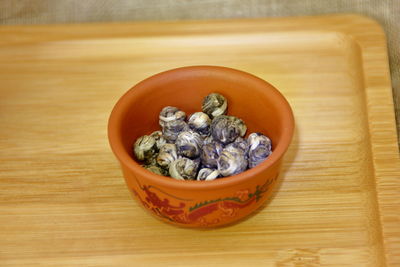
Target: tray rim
x: 366, y: 33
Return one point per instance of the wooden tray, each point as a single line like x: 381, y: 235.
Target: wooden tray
x: 63, y: 199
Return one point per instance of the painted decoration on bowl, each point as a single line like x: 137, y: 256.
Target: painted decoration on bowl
x: 178, y: 210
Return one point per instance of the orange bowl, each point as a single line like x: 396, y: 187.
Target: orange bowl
x: 201, y: 203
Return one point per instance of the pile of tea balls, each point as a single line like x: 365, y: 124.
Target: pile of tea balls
x: 209, y: 145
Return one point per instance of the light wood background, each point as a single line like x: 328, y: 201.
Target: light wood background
x: 386, y: 12
x: 63, y: 201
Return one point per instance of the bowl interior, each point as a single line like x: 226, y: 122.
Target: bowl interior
x: 261, y: 106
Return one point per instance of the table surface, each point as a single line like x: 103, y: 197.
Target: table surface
x: 64, y: 201
x: 75, y: 11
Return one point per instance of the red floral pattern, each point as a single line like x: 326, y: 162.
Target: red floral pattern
x: 197, y: 214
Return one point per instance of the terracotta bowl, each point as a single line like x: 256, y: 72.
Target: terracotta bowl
x: 201, y: 203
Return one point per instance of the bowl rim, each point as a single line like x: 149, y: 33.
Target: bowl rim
x: 114, y: 123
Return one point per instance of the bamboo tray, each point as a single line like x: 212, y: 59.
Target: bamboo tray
x: 63, y: 199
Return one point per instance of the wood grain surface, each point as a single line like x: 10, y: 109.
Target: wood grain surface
x: 63, y: 199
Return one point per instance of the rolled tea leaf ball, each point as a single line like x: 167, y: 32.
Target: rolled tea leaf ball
x: 210, y: 154
x: 200, y: 122
x: 145, y: 148
x: 232, y: 161
x: 172, y: 129
x: 169, y: 114
x: 240, y: 143
x: 155, y: 169
x: 152, y: 160
x: 197, y: 161
x: 208, y: 140
x: 226, y: 129
x: 167, y: 155
x: 207, y: 174
x: 259, y: 148
x: 240, y: 125
x: 160, y: 140
x: 214, y: 105
x: 189, y: 144
x: 183, y: 169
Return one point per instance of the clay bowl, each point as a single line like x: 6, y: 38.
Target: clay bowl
x: 201, y: 203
